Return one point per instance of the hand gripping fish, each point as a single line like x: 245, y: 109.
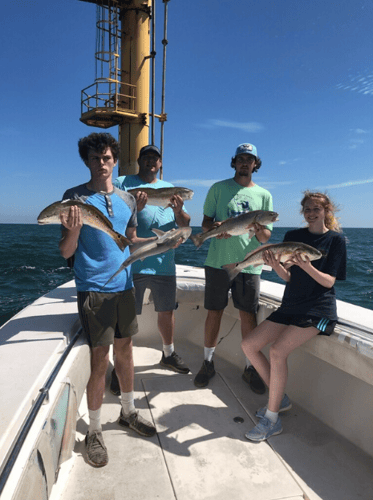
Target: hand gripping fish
x: 91, y: 216
x: 286, y: 249
x: 164, y: 242
x: 241, y: 224
x: 161, y: 197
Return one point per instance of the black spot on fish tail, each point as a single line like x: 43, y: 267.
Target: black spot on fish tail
x: 121, y: 241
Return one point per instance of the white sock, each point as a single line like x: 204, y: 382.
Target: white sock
x: 248, y: 363
x: 168, y: 350
x: 128, y: 402
x: 208, y: 353
x: 271, y: 415
x: 94, y: 420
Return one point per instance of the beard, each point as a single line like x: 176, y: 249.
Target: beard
x: 243, y: 173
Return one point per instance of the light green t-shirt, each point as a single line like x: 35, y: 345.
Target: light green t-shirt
x: 227, y: 199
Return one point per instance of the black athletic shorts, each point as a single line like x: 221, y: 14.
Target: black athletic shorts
x: 324, y: 325
x: 245, y: 290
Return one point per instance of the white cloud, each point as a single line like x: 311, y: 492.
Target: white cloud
x: 195, y: 182
x: 357, y: 83
x: 347, y: 184
x: 359, y: 131
x: 209, y: 182
x: 252, y: 127
x: 272, y: 184
x: 355, y: 141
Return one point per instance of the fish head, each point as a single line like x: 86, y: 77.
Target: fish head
x: 185, y: 232
x: 311, y: 252
x: 49, y: 213
x: 266, y: 217
x: 185, y: 193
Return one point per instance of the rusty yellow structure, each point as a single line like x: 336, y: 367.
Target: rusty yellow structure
x: 120, y: 94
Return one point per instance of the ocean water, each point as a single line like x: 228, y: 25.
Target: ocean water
x: 30, y: 265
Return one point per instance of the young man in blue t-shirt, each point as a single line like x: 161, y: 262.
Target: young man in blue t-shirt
x: 107, y: 317
x: 158, y: 273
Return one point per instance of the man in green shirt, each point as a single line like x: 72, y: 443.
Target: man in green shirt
x: 226, y: 199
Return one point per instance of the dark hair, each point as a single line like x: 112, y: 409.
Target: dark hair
x: 98, y: 142
x: 258, y: 163
x: 331, y: 222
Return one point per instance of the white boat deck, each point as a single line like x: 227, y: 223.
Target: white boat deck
x: 199, y: 450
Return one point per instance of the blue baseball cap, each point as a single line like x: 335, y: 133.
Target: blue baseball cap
x: 149, y: 149
x: 248, y: 149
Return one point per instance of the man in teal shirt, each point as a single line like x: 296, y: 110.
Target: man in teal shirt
x: 226, y: 199
x: 157, y: 272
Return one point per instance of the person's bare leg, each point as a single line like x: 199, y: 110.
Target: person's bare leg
x: 254, y: 341
x: 248, y: 323
x: 289, y: 340
x: 166, y: 326
x: 212, y: 327
x: 96, y: 382
x: 124, y: 366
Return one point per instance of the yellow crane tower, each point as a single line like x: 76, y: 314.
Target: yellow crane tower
x: 120, y: 95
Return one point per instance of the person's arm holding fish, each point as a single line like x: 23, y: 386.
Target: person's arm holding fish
x: 72, y: 223
x: 262, y: 234
x: 176, y: 203
x: 141, y: 200
x: 323, y: 279
x: 210, y: 223
x: 131, y: 234
x: 273, y: 260
x: 181, y: 217
x: 303, y: 261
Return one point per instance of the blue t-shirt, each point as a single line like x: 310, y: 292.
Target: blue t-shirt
x: 97, y: 256
x: 151, y: 217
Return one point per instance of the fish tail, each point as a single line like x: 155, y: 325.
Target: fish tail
x: 196, y: 238
x: 121, y: 241
x: 114, y: 275
x: 232, y: 271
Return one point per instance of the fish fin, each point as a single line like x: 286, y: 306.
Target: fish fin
x: 232, y: 271
x: 158, y: 232
x: 114, y: 275
x: 196, y: 238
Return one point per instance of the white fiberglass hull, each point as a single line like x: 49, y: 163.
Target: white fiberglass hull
x: 325, y: 451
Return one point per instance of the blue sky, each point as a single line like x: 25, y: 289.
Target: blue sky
x: 294, y: 78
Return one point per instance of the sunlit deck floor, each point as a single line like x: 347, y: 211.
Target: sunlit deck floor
x: 200, y: 452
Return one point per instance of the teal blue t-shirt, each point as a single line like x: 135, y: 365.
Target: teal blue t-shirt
x: 151, y: 217
x: 227, y: 199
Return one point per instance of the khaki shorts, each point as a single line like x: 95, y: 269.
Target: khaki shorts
x: 105, y: 316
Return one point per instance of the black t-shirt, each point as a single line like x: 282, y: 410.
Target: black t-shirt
x: 303, y: 295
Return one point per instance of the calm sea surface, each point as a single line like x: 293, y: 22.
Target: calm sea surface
x: 30, y: 265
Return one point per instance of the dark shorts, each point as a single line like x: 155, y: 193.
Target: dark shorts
x: 324, y: 325
x: 245, y: 290
x: 105, y: 316
x: 163, y: 290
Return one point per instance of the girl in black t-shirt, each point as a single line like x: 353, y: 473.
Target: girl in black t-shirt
x: 308, y: 306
